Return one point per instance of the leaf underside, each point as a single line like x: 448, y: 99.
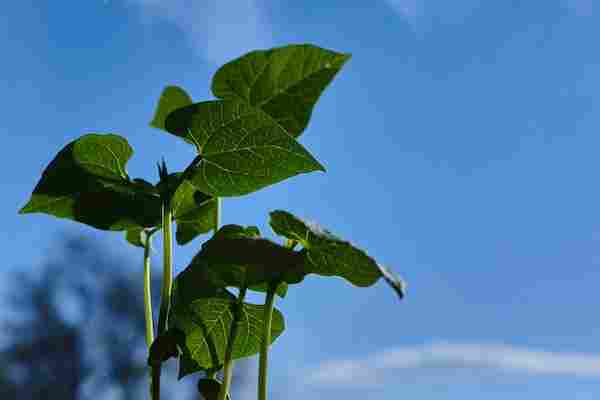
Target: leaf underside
x: 328, y: 255
x: 88, y: 187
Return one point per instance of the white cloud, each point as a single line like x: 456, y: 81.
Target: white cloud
x: 218, y: 29
x: 375, y: 368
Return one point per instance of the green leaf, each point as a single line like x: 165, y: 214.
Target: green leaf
x: 104, y: 156
x: 281, y: 290
x: 209, y: 388
x: 243, y: 149
x: 235, y: 256
x: 67, y: 189
x: 194, y: 211
x: 205, y: 316
x: 136, y: 236
x: 330, y: 256
x: 165, y: 346
x: 171, y: 98
x: 285, y: 82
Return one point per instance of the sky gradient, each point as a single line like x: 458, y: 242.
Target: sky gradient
x: 461, y: 145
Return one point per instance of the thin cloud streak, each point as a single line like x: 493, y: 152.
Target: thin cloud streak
x: 218, y: 29
x: 438, y: 356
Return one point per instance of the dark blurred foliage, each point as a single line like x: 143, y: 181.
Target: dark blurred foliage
x: 76, y: 330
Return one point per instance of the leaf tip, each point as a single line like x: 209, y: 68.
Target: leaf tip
x: 394, y: 281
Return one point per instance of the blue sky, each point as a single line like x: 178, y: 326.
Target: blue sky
x: 461, y: 145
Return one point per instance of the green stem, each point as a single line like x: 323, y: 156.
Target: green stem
x: 217, y: 215
x: 228, y: 361
x: 148, y: 302
x: 165, y: 300
x: 266, y: 340
x: 147, y: 293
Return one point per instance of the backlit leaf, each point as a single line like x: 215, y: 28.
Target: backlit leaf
x: 328, y: 255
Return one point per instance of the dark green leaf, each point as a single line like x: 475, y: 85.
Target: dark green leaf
x: 234, y: 257
x: 330, y: 256
x: 205, y: 316
x: 281, y: 290
x: 194, y: 211
x: 285, y: 82
x: 171, y: 98
x: 67, y: 189
x: 209, y: 388
x: 243, y: 149
x: 165, y: 346
x: 104, y: 156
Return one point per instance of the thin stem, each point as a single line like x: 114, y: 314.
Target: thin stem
x: 165, y: 300
x: 147, y: 293
x: 266, y: 341
x: 217, y: 215
x: 228, y: 361
x: 148, y: 302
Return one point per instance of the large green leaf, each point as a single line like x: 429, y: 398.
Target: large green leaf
x: 205, y: 315
x: 239, y: 257
x: 330, y: 256
x: 194, y: 211
x: 68, y: 188
x: 242, y: 148
x: 171, y: 98
x: 103, y: 155
x: 285, y: 82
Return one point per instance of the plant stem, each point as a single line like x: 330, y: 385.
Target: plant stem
x: 147, y: 293
x: 165, y: 300
x: 266, y: 341
x: 228, y: 361
x: 217, y: 215
x: 148, y: 302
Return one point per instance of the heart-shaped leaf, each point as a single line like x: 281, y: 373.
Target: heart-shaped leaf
x: 90, y: 189
x: 171, y: 98
x: 205, y: 315
x: 242, y: 148
x: 330, y: 256
x: 285, y: 82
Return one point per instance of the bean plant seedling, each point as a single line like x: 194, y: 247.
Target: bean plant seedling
x: 246, y: 140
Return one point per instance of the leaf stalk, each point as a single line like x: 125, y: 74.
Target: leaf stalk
x: 266, y: 340
x: 228, y: 361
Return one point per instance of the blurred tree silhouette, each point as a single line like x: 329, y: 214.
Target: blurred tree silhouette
x: 78, y: 329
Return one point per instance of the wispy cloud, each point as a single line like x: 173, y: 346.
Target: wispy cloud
x: 218, y: 29
x: 373, y: 369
